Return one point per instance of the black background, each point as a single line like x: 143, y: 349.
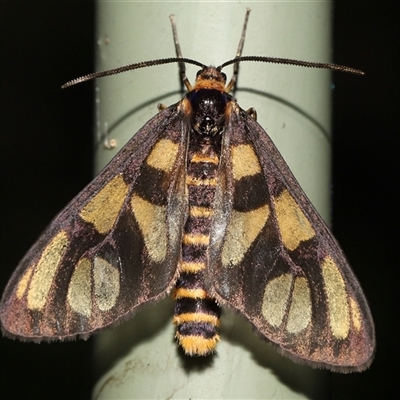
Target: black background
x: 46, y: 152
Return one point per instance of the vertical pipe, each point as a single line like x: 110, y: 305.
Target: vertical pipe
x: 293, y: 106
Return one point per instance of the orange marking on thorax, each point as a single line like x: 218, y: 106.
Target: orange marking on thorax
x: 203, y: 83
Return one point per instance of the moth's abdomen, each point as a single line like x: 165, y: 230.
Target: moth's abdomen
x: 196, y: 316
x: 196, y: 313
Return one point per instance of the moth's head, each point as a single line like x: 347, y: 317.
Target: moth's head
x: 210, y: 78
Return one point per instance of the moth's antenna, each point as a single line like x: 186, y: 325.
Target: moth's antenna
x: 178, y: 51
x: 182, y: 60
x: 131, y: 67
x: 308, y: 64
x: 238, y: 52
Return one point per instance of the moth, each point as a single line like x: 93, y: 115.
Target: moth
x: 199, y: 203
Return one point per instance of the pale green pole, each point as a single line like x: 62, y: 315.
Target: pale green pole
x: 139, y: 359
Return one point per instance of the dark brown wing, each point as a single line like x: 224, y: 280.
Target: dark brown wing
x: 114, y: 248
x: 273, y: 259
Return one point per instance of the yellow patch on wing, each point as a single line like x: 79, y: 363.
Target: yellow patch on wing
x: 106, y: 284
x: 152, y: 220
x: 163, y: 155
x: 244, y: 161
x: 276, y: 297
x: 335, y: 289
x: 103, y: 209
x: 197, y: 345
x: 293, y: 224
x: 300, y: 308
x: 355, y: 315
x: 79, y: 295
x: 242, y: 230
x: 45, y: 270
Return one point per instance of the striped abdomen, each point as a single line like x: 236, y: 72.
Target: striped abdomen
x: 197, y: 314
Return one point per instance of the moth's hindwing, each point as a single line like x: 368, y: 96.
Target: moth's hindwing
x: 277, y: 262
x: 115, y: 247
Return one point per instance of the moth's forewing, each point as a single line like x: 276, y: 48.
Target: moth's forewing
x: 277, y: 262
x: 114, y: 247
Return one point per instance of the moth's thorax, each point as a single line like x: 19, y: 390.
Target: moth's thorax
x: 208, y: 110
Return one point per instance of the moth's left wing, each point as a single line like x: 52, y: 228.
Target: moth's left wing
x: 273, y: 259
x: 114, y: 247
